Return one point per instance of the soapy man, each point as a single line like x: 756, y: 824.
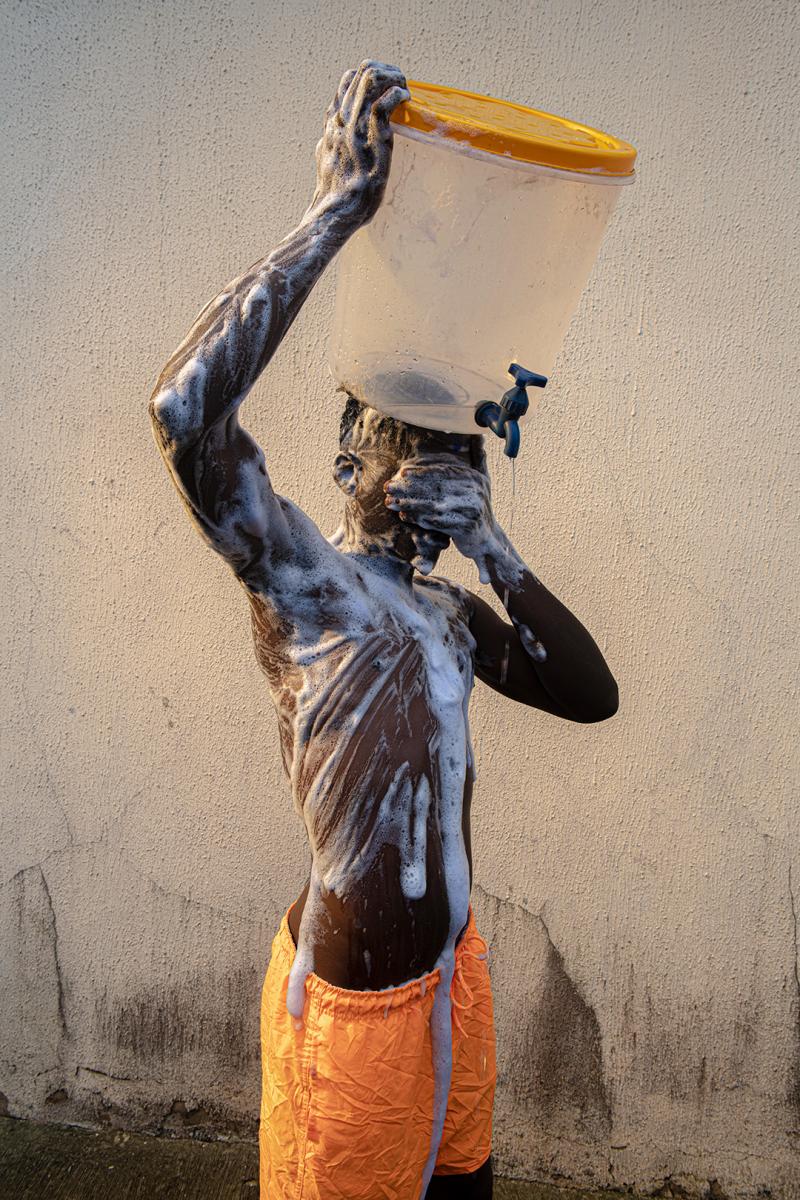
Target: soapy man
x: 377, y: 1037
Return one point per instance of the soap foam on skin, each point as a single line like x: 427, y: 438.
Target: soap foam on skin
x: 392, y: 654
x: 394, y: 649
x: 391, y: 649
x: 406, y: 648
x: 530, y: 643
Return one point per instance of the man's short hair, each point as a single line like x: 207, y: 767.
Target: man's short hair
x: 361, y: 422
x: 352, y: 409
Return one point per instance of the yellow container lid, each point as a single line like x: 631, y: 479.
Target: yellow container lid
x: 513, y: 131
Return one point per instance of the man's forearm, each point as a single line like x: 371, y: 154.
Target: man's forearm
x: 237, y: 334
x: 564, y: 654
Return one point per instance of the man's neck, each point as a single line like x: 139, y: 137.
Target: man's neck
x: 377, y: 551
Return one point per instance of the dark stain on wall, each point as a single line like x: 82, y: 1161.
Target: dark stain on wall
x: 794, y: 1075
x: 794, y: 1080
x: 214, y: 1118
x: 555, y: 1073
x: 204, y: 1018
x: 562, y: 1052
x: 29, y: 951
x: 186, y: 1117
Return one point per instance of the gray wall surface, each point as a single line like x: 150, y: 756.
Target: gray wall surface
x: 639, y: 880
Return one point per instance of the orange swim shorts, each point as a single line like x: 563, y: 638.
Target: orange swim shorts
x: 347, y: 1100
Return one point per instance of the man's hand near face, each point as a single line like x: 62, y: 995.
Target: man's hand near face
x: 450, y: 499
x: 545, y: 657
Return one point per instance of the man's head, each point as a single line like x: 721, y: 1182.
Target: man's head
x: 372, y: 449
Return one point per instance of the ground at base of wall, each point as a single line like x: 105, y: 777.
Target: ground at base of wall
x: 52, y: 1162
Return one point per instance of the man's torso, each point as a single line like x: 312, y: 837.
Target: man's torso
x: 371, y: 681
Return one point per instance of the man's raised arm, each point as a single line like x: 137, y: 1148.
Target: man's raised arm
x: 217, y: 467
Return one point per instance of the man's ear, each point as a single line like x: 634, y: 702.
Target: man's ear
x: 347, y: 472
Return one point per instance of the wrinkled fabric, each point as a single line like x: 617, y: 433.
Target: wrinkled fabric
x: 347, y: 1099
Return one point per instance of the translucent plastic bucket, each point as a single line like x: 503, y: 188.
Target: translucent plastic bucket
x: 475, y: 260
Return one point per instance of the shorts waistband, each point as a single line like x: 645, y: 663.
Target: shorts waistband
x: 386, y: 999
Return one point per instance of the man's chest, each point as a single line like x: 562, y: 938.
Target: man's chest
x: 390, y: 679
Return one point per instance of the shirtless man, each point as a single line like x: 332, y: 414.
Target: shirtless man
x: 378, y: 1048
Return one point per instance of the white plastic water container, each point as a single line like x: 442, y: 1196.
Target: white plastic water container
x: 489, y: 228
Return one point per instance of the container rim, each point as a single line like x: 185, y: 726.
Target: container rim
x: 568, y: 174
x: 510, y: 130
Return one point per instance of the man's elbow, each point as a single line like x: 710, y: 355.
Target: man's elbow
x: 177, y: 406
x: 172, y: 419
x: 601, y: 709
x: 160, y: 415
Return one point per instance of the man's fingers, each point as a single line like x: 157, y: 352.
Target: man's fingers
x: 443, y: 464
x: 344, y: 84
x: 424, y: 496
x: 350, y: 99
x: 433, y: 489
x: 431, y: 526
x: 379, y: 130
x: 334, y: 109
x: 411, y: 504
x: 440, y: 518
x: 445, y: 471
x: 416, y: 507
x: 388, y: 102
x: 371, y: 81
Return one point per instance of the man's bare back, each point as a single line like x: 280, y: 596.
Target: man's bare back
x: 370, y: 664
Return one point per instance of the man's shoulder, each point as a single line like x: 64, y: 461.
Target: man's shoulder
x: 446, y: 591
x: 310, y: 588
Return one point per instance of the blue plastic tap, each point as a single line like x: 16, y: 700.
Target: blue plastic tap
x: 502, y: 418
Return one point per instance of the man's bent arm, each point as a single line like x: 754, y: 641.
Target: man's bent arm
x: 217, y: 467
x: 547, y: 641
x: 545, y: 658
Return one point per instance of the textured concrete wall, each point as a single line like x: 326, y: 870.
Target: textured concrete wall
x: 640, y: 880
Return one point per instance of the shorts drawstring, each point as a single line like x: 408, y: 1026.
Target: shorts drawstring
x: 458, y: 978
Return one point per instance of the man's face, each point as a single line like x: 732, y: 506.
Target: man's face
x: 379, y: 459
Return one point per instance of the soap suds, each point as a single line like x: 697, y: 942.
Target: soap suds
x: 530, y: 643
x: 377, y: 743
